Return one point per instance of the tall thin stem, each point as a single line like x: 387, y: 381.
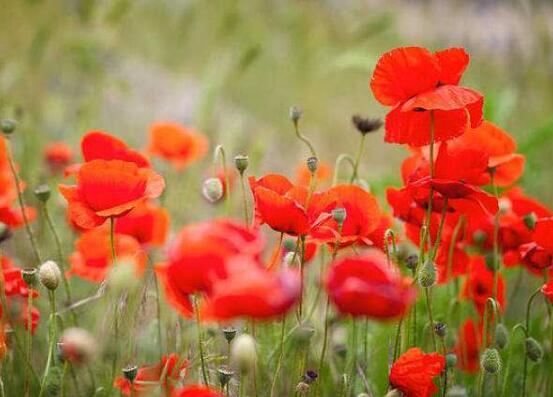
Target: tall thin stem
x: 427, y: 293
x: 220, y: 152
x: 280, y: 354
x: 495, y: 242
x: 244, y: 200
x: 304, y: 139
x: 51, y: 343
x: 358, y: 158
x: 205, y: 374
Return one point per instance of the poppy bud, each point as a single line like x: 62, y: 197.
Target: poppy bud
x: 8, y: 126
x: 49, y: 275
x: 225, y: 375
x: 501, y: 336
x: 5, y: 232
x: 77, y: 346
x: 229, y: 333
x: 457, y: 391
x: 366, y: 125
x: 295, y: 114
x: 440, y: 329
x: 479, y: 236
x: 212, y: 189
x: 130, y: 373
x: 534, y: 350
x: 491, y: 361
x: 241, y: 162
x: 29, y: 276
x: 411, y: 261
x: 291, y: 259
x: 427, y: 274
x: 339, y: 215
x: 312, y: 164
x: 42, y: 192
x: 530, y: 220
x: 243, y: 352
x: 450, y: 360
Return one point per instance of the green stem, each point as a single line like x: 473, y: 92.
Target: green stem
x: 112, y: 239
x: 350, y: 370
x: 280, y: 354
x: 427, y: 293
x: 158, y: 312
x: 52, y: 342
x: 527, y: 328
x: 200, y: 341
x: 358, y: 159
x: 339, y: 160
x: 304, y: 139
x: 220, y: 152
x: 244, y: 200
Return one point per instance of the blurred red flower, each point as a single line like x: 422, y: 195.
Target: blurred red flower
x: 547, y: 290
x: 538, y: 254
x: 176, y: 144
x: 57, y: 156
x: 109, y: 188
x: 413, y: 372
x: 147, y: 223
x: 478, y: 286
x: 368, y: 286
x: 92, y: 259
x: 468, y: 346
x: 418, y: 84
x: 196, y: 391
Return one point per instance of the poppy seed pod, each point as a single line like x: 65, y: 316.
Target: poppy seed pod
x: 427, y: 274
x: 229, y: 333
x: 43, y: 192
x: 224, y: 375
x: 310, y: 376
x: 411, y: 261
x: 77, y: 346
x: 212, y: 189
x: 491, y: 361
x: 530, y: 220
x: 534, y: 351
x: 501, y: 336
x: 295, y: 114
x: 366, y: 125
x: 450, y: 360
x: 8, y: 126
x: 339, y: 215
x: 312, y: 164
x: 130, y: 373
x: 29, y: 276
x: 241, y: 162
x: 243, y: 353
x: 440, y: 329
x: 49, y: 275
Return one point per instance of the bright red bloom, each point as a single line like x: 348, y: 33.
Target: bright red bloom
x: 368, y: 286
x: 377, y: 236
x: 478, y: 286
x: 99, y: 145
x: 147, y: 223
x: 196, y: 391
x: 422, y: 87
x: 177, y: 144
x: 547, y: 290
x: 92, y: 259
x: 468, y: 346
x: 252, y: 291
x: 284, y: 207
x: 176, y: 370
x: 362, y: 215
x: 413, y: 372
x: 538, y: 254
x: 109, y: 188
x: 58, y: 155
x: 198, y: 256
x: 322, y: 175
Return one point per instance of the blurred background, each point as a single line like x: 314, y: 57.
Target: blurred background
x: 233, y: 68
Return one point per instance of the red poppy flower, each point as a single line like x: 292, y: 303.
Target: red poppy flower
x: 459, y: 262
x: 547, y: 290
x: 421, y: 86
x: 478, y: 286
x: 252, y: 291
x: 413, y: 372
x: 198, y: 255
x: 58, y: 155
x: 362, y: 215
x: 147, y: 223
x: 109, y: 188
x: 538, y: 254
x: 468, y: 346
x: 177, y: 144
x: 368, y: 286
x: 19, y: 311
x: 174, y: 369
x: 322, y: 175
x: 378, y: 235
x: 92, y: 259
x: 282, y: 206
x: 196, y: 391
x: 99, y: 145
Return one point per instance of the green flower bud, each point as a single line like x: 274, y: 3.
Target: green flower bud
x: 49, y: 275
x: 212, y: 189
x: 339, y: 215
x: 534, y: 351
x: 8, y: 126
x: 244, y: 352
x: 457, y: 391
x: 295, y: 114
x: 479, y: 236
x: 427, y: 274
x: 491, y: 361
x: 450, y: 360
x: 501, y: 336
x: 303, y: 334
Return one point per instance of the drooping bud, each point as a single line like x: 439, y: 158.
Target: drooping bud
x: 225, y: 375
x: 491, y: 361
x: 312, y: 164
x: 212, y: 189
x: 49, y: 275
x: 411, y: 261
x: 42, y: 193
x: 501, y: 336
x: 295, y: 114
x: 530, y: 220
x: 130, y: 373
x: 30, y: 276
x: 241, y: 162
x: 450, y: 360
x: 229, y: 333
x: 339, y: 215
x: 440, y: 329
x: 534, y: 351
x: 77, y: 346
x: 366, y: 125
x: 427, y: 274
x: 244, y: 352
x: 8, y: 126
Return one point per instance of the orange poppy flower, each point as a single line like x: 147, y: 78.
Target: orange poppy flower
x: 418, y: 83
x: 282, y: 206
x: 147, y: 223
x: 58, y: 155
x: 177, y: 144
x: 322, y: 175
x: 413, y: 372
x: 368, y: 286
x: 109, y: 188
x: 92, y: 259
x: 99, y: 145
x: 252, y: 291
x: 196, y: 391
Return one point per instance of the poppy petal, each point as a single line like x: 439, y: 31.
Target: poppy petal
x: 453, y: 62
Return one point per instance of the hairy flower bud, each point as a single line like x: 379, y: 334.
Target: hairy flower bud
x: 427, y: 274
x: 49, y: 275
x: 534, y: 351
x: 241, y: 162
x: 303, y: 334
x: 212, y: 189
x: 243, y: 352
x: 43, y: 192
x: 450, y: 360
x: 8, y: 126
x: 291, y: 259
x: 501, y: 336
x: 491, y: 361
